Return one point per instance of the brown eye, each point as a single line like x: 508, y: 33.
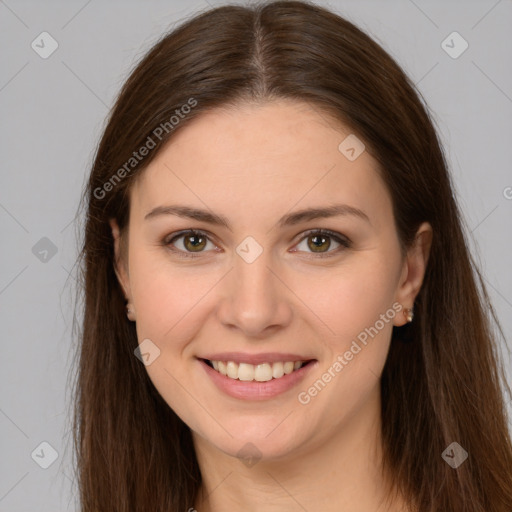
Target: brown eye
x: 188, y: 242
x: 320, y: 241
x: 317, y: 243
x: 194, y: 243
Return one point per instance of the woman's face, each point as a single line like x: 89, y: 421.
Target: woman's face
x: 255, y: 289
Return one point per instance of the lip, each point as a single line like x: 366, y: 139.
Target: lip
x: 268, y: 357
x: 254, y: 390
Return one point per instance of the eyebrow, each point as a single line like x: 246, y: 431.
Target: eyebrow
x: 289, y: 219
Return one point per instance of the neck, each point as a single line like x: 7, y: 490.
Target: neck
x: 342, y: 471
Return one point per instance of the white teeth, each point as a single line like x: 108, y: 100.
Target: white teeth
x: 263, y: 372
x: 232, y: 369
x: 277, y: 370
x: 260, y: 372
x: 288, y: 367
x: 222, y: 367
x: 245, y: 372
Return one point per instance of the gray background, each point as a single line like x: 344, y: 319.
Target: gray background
x: 53, y: 111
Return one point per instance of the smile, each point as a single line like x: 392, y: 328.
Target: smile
x: 256, y: 376
x: 255, y: 372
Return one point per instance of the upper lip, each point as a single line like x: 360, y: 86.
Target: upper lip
x: 267, y: 357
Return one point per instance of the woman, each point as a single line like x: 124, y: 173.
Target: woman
x: 281, y: 312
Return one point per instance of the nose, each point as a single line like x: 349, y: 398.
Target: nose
x: 255, y: 300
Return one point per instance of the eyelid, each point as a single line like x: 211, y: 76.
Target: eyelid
x: 168, y: 240
x: 343, y: 240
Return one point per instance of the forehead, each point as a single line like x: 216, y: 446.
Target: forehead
x: 260, y: 157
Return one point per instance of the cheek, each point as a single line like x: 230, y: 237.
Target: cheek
x: 170, y: 307
x: 350, y: 299
x: 357, y: 308
x: 169, y: 300
x: 357, y: 305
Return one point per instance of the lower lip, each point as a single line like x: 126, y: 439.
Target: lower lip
x: 254, y: 390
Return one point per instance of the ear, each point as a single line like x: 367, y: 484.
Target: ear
x: 413, y: 270
x: 120, y: 265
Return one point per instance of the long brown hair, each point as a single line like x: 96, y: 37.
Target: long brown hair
x: 446, y: 385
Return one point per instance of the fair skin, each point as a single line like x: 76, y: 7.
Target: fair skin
x: 252, y: 165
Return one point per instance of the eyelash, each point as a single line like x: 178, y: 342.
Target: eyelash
x: 344, y: 242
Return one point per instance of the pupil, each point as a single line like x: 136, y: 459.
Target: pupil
x: 318, y: 241
x: 198, y: 240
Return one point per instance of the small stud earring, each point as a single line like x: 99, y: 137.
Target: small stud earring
x: 409, y: 314
x: 130, y: 313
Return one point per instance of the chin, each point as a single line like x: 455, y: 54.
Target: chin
x: 250, y: 437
